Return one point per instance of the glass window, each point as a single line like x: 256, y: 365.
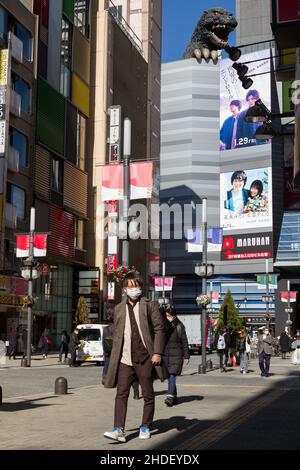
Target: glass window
x: 16, y: 196
x: 26, y: 39
x: 92, y: 334
x: 66, y: 43
x: 57, y: 175
x: 65, y: 81
x: 80, y: 141
x: 23, y: 89
x: 20, y: 142
x: 3, y: 22
x: 78, y: 242
x: 82, y: 16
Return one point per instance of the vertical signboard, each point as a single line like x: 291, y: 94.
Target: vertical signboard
x: 115, y: 134
x: 89, y: 289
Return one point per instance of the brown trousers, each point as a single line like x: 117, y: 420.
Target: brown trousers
x: 126, y: 376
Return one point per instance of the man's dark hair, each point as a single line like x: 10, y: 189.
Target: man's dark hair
x: 253, y: 93
x: 239, y: 175
x: 135, y: 278
x: 236, y: 103
x: 258, y: 185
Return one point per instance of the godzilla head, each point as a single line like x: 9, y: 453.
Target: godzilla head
x: 215, y: 26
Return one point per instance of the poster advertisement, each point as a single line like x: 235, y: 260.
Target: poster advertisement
x: 246, y: 199
x: 235, y: 101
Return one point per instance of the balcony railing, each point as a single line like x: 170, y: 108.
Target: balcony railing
x: 113, y: 10
x: 15, y: 103
x: 10, y: 215
x: 13, y: 159
x: 16, y: 47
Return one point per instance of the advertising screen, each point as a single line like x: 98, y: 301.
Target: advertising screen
x: 246, y: 199
x: 235, y: 101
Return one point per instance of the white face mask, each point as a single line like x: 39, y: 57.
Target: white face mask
x: 134, y: 292
x: 170, y: 318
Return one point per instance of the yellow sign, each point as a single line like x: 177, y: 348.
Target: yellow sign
x: 11, y: 300
x: 4, y: 283
x: 4, y: 67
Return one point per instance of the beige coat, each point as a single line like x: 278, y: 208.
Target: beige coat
x: 153, y: 331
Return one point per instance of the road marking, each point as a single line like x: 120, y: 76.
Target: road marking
x: 216, y: 432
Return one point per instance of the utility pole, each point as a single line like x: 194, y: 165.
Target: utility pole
x: 204, y: 284
x: 289, y: 306
x: 126, y: 163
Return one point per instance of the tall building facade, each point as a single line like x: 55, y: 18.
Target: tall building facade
x: 126, y: 52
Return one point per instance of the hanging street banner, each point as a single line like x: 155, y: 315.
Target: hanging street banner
x: 261, y: 280
x: 111, y: 291
x: 160, y: 282
x: 194, y: 240
x: 39, y: 245
x: 141, y: 180
x: 288, y: 296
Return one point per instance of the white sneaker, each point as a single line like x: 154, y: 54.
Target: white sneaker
x: 117, y: 434
x: 144, y: 432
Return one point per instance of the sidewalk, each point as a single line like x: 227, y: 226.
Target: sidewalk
x: 37, y: 360
x: 214, y: 411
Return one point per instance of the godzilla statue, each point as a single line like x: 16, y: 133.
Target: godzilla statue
x: 211, y: 34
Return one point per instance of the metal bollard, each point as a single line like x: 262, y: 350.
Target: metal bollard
x: 0, y: 395
x: 209, y: 364
x: 61, y: 386
x: 201, y: 369
x: 24, y: 362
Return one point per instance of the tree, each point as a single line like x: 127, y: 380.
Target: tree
x: 82, y: 312
x: 229, y: 316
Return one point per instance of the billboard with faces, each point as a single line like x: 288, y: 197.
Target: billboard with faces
x: 235, y: 101
x: 246, y: 199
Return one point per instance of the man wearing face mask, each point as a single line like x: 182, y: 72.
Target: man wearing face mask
x: 138, y: 345
x: 264, y: 351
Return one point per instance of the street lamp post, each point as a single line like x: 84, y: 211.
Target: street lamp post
x: 126, y: 154
x: 30, y: 272
x: 204, y: 270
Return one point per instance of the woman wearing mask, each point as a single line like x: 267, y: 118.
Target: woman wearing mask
x: 176, y: 352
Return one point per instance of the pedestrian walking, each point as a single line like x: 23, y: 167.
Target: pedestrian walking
x: 73, y: 346
x: 64, y: 346
x: 264, y: 351
x: 176, y: 352
x: 44, y: 343
x: 285, y: 344
x: 241, y: 347
x: 13, y: 337
x: 296, y: 350
x: 138, y: 346
x: 222, y: 341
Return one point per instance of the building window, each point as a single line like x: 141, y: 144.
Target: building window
x: 82, y: 16
x: 20, y: 142
x: 17, y: 197
x: 24, y: 35
x: 66, y: 59
x: 80, y: 141
x: 78, y: 234
x: 3, y: 23
x: 57, y: 175
x: 23, y: 89
x: 65, y: 81
x: 116, y: 12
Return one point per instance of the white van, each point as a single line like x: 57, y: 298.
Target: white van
x: 92, y: 349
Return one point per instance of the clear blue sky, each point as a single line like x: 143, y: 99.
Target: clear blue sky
x: 179, y: 20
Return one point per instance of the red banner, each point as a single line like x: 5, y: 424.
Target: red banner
x: 288, y: 296
x: 112, y: 261
x: 112, y: 182
x: 141, y: 180
x: 39, y: 245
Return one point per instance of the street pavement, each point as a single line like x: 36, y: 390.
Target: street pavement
x: 215, y: 411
